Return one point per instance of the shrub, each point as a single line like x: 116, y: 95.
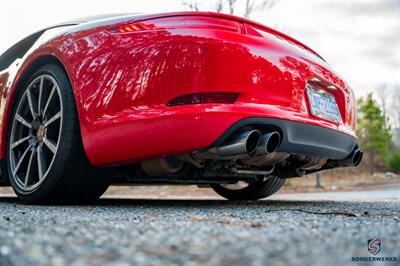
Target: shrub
x: 394, y: 162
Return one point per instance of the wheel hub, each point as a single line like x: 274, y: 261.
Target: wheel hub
x: 40, y: 133
x: 36, y: 124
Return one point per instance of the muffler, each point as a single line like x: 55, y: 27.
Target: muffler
x: 162, y: 167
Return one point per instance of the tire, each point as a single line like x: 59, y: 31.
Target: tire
x: 253, y: 191
x: 59, y: 171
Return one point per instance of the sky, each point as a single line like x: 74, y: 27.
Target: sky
x: 360, y: 39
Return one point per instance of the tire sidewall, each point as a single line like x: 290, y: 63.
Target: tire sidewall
x: 254, y: 191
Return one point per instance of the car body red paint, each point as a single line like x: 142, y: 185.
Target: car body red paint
x: 122, y: 83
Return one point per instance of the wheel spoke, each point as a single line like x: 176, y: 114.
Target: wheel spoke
x: 49, y: 99
x: 28, y: 169
x: 23, y: 121
x: 32, y: 103
x: 15, y: 144
x: 41, y: 160
x: 40, y: 96
x: 50, y: 144
x: 21, y: 159
x: 54, y: 118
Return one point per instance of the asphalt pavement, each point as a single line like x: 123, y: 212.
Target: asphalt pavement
x: 292, y: 229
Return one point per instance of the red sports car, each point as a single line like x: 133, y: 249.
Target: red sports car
x: 180, y: 98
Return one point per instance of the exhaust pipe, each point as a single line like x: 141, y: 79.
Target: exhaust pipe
x: 269, y: 142
x: 353, y: 159
x: 359, y: 157
x: 266, y: 151
x: 240, y: 145
x: 243, y: 143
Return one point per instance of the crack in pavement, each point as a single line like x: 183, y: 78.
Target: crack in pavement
x: 335, y: 213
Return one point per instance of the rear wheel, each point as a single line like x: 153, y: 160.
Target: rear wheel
x: 249, y: 191
x: 45, y: 157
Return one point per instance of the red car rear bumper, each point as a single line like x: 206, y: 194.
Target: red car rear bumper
x: 178, y: 130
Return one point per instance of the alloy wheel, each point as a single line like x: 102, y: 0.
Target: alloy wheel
x: 35, y: 133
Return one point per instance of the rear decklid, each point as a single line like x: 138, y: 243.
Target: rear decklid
x: 267, y: 29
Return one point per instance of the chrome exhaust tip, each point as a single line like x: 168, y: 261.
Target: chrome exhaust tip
x: 357, y: 157
x: 353, y: 159
x: 241, y: 143
x: 269, y: 143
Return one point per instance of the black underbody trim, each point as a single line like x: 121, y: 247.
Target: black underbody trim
x: 300, y: 138
x: 3, y: 181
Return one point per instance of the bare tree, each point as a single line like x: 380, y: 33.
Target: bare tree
x: 250, y: 7
x: 383, y: 94
x: 219, y: 6
x: 232, y: 6
x: 389, y: 97
x: 396, y: 107
x: 192, y: 5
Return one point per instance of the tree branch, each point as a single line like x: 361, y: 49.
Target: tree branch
x: 265, y: 5
x: 219, y: 6
x: 191, y: 5
x: 232, y: 4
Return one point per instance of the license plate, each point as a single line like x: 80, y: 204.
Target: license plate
x: 323, y: 104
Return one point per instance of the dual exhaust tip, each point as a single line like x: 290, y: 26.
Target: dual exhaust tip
x: 251, y: 143
x: 255, y: 143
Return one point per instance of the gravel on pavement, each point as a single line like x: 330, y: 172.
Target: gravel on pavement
x: 197, y: 232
